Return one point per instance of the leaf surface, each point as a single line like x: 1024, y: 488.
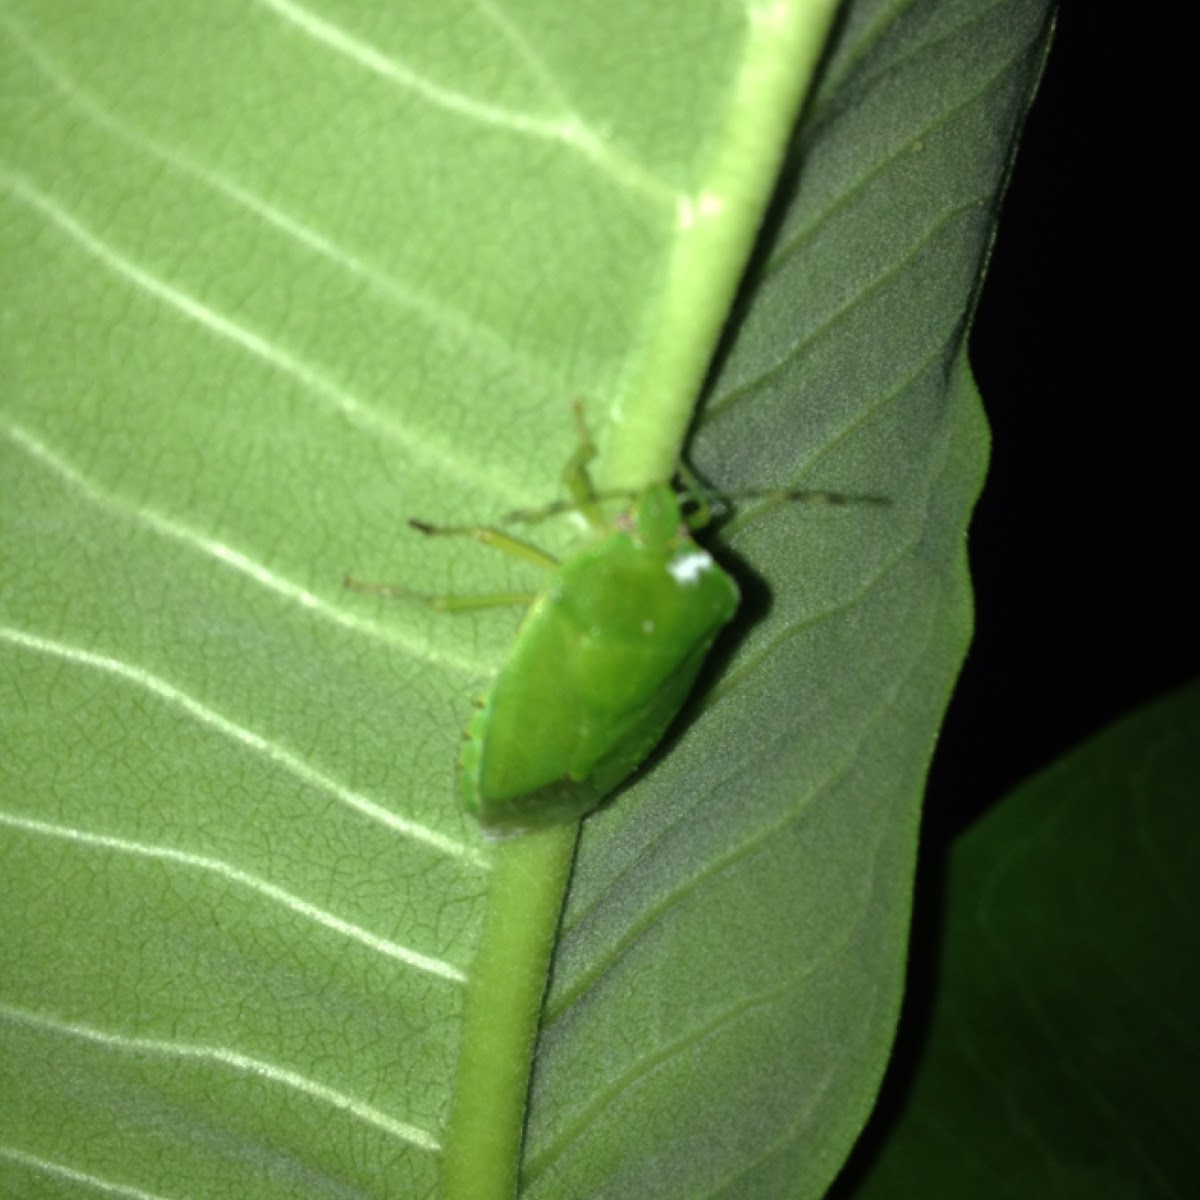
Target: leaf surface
x: 280, y: 277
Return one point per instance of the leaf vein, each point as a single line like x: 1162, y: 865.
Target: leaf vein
x: 569, y: 129
x: 235, y: 875
x: 654, y: 912
x: 221, y: 1056
x: 436, y: 316
x: 229, y: 556
x: 46, y: 1166
x: 313, y: 381
x: 278, y: 755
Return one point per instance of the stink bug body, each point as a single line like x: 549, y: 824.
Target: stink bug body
x: 604, y: 659
x: 600, y: 667
x: 602, y: 662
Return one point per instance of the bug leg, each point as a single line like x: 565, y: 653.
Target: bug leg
x: 488, y: 536
x: 578, y: 478
x: 575, y: 474
x: 585, y: 498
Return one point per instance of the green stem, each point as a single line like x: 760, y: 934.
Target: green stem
x: 716, y: 224
x: 501, y: 1015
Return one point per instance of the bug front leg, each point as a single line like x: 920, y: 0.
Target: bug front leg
x: 445, y: 602
x: 577, y: 478
x: 497, y: 539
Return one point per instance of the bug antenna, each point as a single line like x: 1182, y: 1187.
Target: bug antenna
x: 817, y: 496
x: 801, y: 495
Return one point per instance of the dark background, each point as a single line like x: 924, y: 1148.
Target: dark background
x: 1081, y: 541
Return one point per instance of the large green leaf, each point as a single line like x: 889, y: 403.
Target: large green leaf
x: 1061, y: 1056
x: 280, y: 276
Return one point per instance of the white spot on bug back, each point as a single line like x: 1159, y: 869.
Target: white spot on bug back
x: 647, y: 626
x: 688, y: 568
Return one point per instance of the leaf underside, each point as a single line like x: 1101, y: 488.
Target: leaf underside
x: 279, y: 277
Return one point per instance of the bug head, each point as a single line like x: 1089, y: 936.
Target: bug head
x: 657, y: 515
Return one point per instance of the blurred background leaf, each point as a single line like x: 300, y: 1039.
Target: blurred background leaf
x: 1060, y: 1057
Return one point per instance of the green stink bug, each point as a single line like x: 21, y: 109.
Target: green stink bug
x: 602, y: 662
x: 605, y: 657
x: 600, y: 667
